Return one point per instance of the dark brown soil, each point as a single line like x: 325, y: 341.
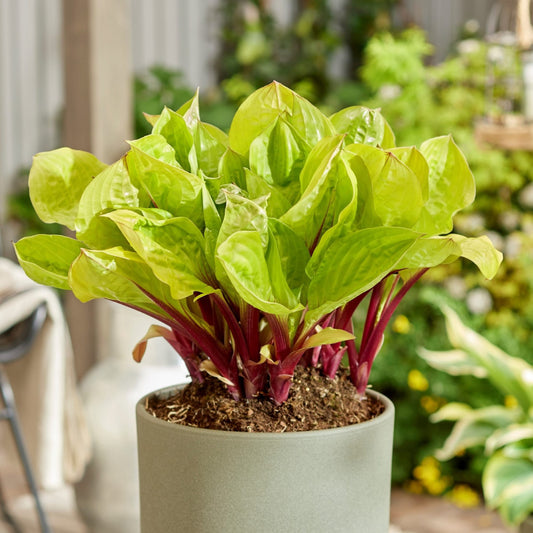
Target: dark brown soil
x: 315, y: 402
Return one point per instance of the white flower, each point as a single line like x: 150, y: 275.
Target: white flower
x: 526, y: 196
x: 389, y: 91
x: 479, y: 301
x: 456, y: 286
x: 513, y: 245
x: 468, y: 46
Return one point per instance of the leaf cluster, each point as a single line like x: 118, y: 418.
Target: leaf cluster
x: 254, y: 249
x: 505, y: 430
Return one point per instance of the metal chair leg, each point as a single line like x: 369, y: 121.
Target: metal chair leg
x: 10, y: 413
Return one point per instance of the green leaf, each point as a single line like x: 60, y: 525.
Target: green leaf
x: 363, y: 126
x: 168, y: 186
x: 366, y: 216
x: 173, y: 249
x: 279, y: 198
x: 210, y: 144
x: 111, y: 189
x: 451, y: 185
x: 264, y: 106
x: 351, y: 265
x: 231, y: 168
x: 512, y: 434
x: 57, y: 181
x: 452, y: 411
x: 318, y: 181
x: 278, y: 154
x: 243, y: 214
x: 118, y: 275
x: 508, y: 486
x: 472, y: 429
x: 481, y: 252
x: 174, y: 129
x: 414, y: 159
x: 243, y: 257
x: 46, y: 259
x: 398, y: 195
x: 293, y: 253
x: 454, y: 362
x: 510, y: 375
x: 327, y: 336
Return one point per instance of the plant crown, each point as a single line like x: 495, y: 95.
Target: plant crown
x: 254, y: 249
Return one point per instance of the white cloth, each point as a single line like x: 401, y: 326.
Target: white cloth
x: 44, y: 384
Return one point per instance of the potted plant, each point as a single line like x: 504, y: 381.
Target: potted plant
x: 253, y: 250
x: 504, y: 429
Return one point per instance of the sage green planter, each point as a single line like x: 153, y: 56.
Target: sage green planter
x: 209, y: 481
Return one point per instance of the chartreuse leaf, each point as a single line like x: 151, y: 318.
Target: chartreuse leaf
x: 116, y: 274
x: 173, y: 249
x: 278, y: 154
x: 212, y: 226
x: 231, y: 168
x: 428, y: 252
x: 293, y: 253
x: 508, y: 486
x: 414, y: 159
x: 327, y: 336
x: 473, y: 428
x: 210, y: 144
x: 168, y: 186
x: 510, y: 375
x: 398, y: 195
x: 318, y: 180
x: 451, y: 185
x: 46, y: 259
x: 363, y: 126
x: 243, y: 257
x: 243, y: 214
x: 481, y: 252
x: 111, y: 189
x: 279, y: 198
x: 262, y: 108
x: 57, y: 181
x: 174, y: 129
x: 157, y: 147
x: 366, y: 216
x: 351, y: 265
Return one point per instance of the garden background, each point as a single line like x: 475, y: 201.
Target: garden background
x: 424, y: 63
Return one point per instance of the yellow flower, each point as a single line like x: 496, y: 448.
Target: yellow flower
x: 510, y: 401
x: 464, y: 496
x: 427, y: 471
x: 414, y: 486
x: 429, y: 404
x: 438, y: 486
x: 417, y: 381
x: 401, y: 325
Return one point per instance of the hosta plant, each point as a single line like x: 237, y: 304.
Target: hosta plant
x: 253, y: 250
x: 505, y: 429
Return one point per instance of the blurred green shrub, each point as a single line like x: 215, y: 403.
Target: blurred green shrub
x: 423, y: 101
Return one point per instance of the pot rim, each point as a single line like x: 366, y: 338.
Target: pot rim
x: 142, y: 414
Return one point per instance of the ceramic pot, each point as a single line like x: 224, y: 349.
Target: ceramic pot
x: 527, y: 525
x: 210, y: 481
